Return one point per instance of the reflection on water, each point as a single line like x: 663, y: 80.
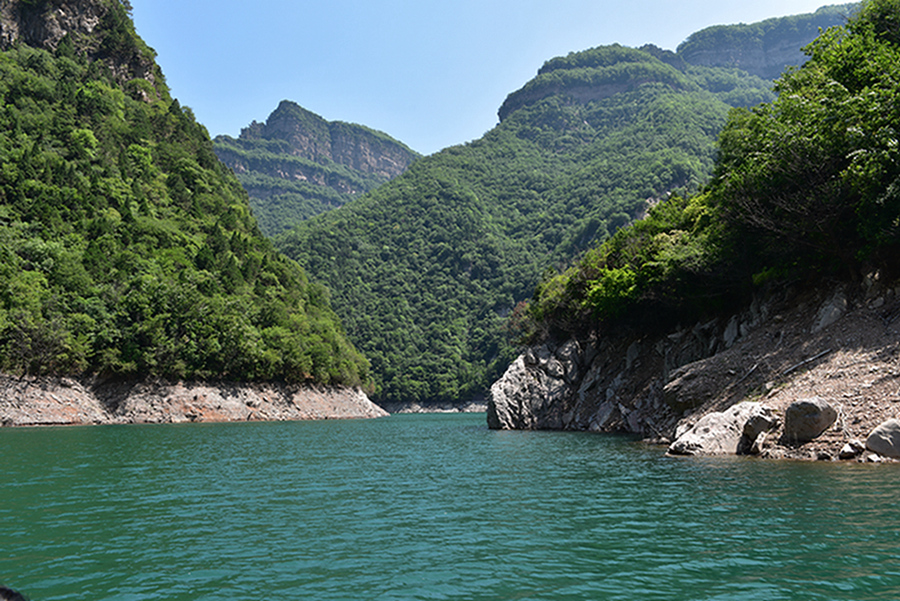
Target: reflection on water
x: 429, y: 507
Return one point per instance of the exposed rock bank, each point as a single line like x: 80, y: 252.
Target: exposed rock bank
x: 836, y: 350
x: 477, y: 405
x: 64, y: 401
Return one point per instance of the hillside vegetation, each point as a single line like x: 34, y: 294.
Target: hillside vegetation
x: 297, y: 165
x: 126, y: 247
x: 806, y: 188
x: 426, y: 270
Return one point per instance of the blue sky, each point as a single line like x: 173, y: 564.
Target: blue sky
x: 431, y: 73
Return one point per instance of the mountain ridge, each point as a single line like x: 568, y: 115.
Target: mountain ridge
x: 427, y: 268
x: 297, y: 164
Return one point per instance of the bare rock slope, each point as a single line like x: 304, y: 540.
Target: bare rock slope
x: 839, y: 345
x: 64, y: 401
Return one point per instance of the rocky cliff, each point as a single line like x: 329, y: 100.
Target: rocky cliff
x: 97, y: 29
x: 837, y: 347
x: 311, y: 137
x: 42, y: 401
x: 297, y: 164
x: 765, y: 48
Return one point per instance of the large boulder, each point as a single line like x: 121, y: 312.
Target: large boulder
x: 807, y: 419
x: 885, y: 439
x: 717, y: 433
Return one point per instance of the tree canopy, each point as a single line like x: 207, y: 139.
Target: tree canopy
x: 126, y: 247
x: 805, y: 187
x: 426, y: 269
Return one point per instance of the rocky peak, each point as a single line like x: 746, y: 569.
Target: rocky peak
x: 313, y: 137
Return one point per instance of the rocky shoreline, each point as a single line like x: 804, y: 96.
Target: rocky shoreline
x: 728, y: 385
x: 46, y: 401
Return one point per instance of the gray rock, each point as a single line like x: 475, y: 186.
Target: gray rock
x: 807, y: 419
x: 885, y: 439
x: 852, y: 450
x: 717, y: 433
x: 831, y: 311
x: 758, y: 425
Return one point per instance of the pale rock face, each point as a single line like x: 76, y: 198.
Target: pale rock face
x: 885, y: 439
x: 719, y: 433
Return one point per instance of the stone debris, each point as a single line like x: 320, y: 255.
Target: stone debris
x: 825, y: 363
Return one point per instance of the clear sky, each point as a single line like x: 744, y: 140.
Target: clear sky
x: 431, y: 73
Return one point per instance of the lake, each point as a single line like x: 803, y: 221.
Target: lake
x: 429, y: 507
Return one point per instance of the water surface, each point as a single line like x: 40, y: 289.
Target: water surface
x: 429, y: 507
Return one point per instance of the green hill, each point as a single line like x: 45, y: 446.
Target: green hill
x: 127, y: 248
x: 806, y: 191
x: 427, y: 269
x: 297, y: 164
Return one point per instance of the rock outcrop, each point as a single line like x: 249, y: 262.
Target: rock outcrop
x: 722, y: 433
x: 763, y: 49
x: 297, y: 165
x: 65, y: 401
x: 88, y: 25
x: 779, y: 352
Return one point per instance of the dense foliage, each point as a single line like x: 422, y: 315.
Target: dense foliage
x: 807, y: 186
x: 426, y: 269
x: 298, y: 165
x: 126, y: 247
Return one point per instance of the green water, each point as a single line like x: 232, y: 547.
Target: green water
x: 429, y: 507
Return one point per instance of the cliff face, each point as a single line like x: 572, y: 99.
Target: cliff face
x: 94, y: 28
x: 837, y: 346
x: 45, y: 24
x: 297, y: 164
x: 311, y: 137
x: 765, y: 48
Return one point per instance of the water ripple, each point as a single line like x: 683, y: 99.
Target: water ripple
x: 429, y: 507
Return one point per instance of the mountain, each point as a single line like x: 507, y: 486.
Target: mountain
x: 730, y: 318
x: 128, y: 249
x: 763, y: 48
x: 297, y: 164
x: 427, y: 269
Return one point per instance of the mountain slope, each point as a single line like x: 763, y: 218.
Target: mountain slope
x: 127, y: 248
x: 297, y: 164
x: 777, y: 283
x: 426, y: 269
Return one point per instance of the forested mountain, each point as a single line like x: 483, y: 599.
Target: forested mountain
x: 762, y: 48
x: 297, y: 164
x: 126, y: 247
x: 806, y: 190
x: 427, y: 269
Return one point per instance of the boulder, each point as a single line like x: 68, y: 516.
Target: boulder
x: 717, y: 433
x: 807, y: 419
x: 885, y: 439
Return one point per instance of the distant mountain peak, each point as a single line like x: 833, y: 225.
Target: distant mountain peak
x: 298, y: 164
